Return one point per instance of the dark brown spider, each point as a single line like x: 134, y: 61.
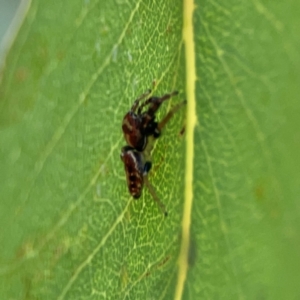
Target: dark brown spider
x: 140, y: 130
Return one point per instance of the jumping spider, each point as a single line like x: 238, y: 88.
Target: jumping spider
x: 140, y: 130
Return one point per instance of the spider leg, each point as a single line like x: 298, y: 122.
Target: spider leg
x: 154, y: 196
x: 169, y: 115
x: 147, y: 168
x: 136, y: 102
x: 155, y: 102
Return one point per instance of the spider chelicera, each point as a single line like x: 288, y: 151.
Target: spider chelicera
x: 140, y: 130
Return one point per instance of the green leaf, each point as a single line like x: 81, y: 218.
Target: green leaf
x: 70, y: 229
x: 244, y: 239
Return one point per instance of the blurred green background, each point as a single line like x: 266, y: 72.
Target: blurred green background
x: 7, y: 11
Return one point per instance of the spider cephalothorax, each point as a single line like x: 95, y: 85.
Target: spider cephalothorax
x: 138, y: 124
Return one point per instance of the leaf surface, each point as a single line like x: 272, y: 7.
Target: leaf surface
x: 71, y: 229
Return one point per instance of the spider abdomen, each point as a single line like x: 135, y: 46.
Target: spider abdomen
x: 133, y: 163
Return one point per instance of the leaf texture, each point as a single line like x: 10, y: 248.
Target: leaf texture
x: 70, y: 229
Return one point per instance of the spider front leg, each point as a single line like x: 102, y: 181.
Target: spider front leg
x: 154, y: 103
x: 155, y: 128
x: 168, y: 116
x: 136, y: 102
